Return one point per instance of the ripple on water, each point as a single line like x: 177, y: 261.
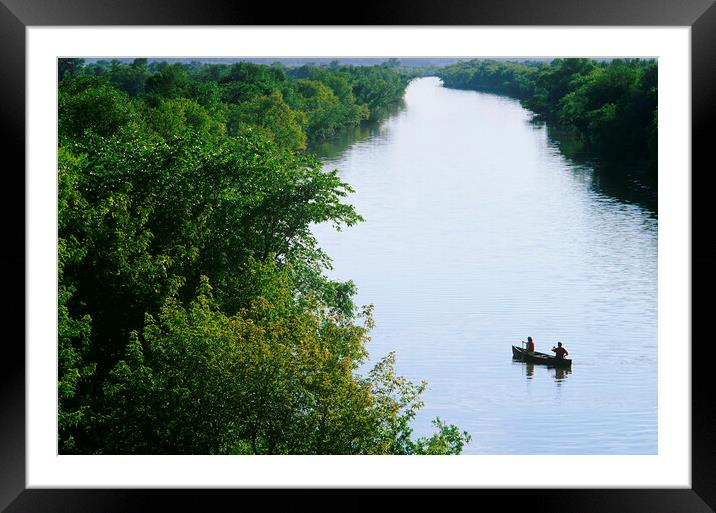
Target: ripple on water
x: 477, y: 234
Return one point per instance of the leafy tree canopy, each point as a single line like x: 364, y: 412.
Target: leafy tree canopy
x: 194, y: 313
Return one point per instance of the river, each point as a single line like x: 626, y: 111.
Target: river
x: 479, y: 233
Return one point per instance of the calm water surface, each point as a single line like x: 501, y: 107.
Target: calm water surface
x: 479, y: 233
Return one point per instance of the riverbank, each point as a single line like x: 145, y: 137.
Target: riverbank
x: 607, y: 108
x: 478, y: 233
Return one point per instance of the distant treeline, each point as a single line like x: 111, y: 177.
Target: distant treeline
x: 610, y: 105
x: 293, y: 106
x: 402, y: 62
x: 194, y: 314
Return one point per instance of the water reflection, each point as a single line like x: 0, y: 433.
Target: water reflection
x: 334, y: 148
x: 624, y: 181
x: 561, y: 374
x: 478, y: 228
x: 557, y: 373
x: 530, y: 369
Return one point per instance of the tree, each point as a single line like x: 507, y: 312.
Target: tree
x: 284, y: 125
x: 89, y: 104
x: 613, y: 108
x: 68, y: 66
x: 74, y: 332
x: 275, y: 378
x: 170, y: 118
x: 323, y: 108
x: 376, y: 87
x: 245, y: 80
x: 168, y: 82
x: 194, y: 313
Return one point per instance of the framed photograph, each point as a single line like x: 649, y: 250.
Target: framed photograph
x: 486, y: 193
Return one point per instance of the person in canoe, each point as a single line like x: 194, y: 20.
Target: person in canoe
x: 559, y: 351
x: 530, y: 345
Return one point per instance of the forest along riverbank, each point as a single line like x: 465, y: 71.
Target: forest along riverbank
x: 478, y: 233
x: 601, y: 113
x: 193, y: 313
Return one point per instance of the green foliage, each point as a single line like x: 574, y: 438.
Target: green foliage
x: 170, y: 118
x: 552, y: 82
x: 89, y: 104
x: 282, y: 124
x: 208, y: 95
x: 274, y: 378
x: 245, y: 80
x: 509, y: 78
x: 130, y: 78
x: 194, y: 313
x: 326, y: 114
x: 376, y: 87
x: 74, y: 332
x: 256, y: 380
x: 330, y: 108
x: 292, y: 107
x: 168, y: 82
x: 68, y: 67
x: 614, y: 107
x: 396, y: 402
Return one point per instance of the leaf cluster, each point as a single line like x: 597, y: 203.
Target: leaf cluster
x: 194, y: 313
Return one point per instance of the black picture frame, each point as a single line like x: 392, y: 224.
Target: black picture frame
x: 17, y: 15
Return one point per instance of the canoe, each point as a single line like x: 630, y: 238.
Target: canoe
x: 552, y: 361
